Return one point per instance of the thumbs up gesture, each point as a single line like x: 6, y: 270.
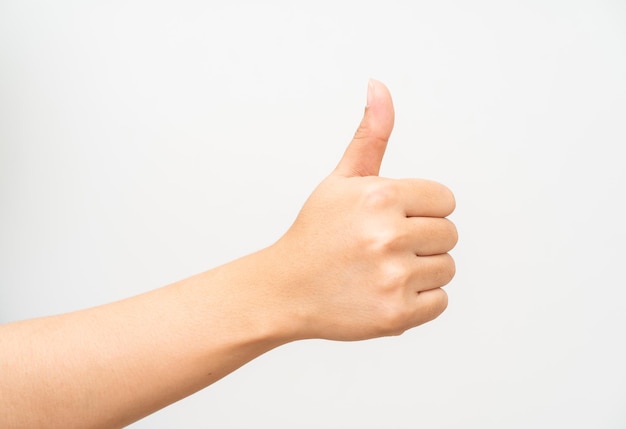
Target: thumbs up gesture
x: 367, y: 256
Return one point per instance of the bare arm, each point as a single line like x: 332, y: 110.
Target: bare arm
x: 366, y: 257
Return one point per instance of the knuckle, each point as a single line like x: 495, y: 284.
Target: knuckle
x: 363, y: 131
x: 394, y: 320
x: 381, y: 194
x: 451, y: 199
x: 393, y: 312
x: 397, y: 332
x: 446, y: 196
x: 447, y: 271
x: 432, y: 305
x: 394, y: 276
x: 441, y: 195
x: 453, y: 233
x: 438, y: 304
x: 385, y: 239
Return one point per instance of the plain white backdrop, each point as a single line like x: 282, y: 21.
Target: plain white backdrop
x: 145, y: 141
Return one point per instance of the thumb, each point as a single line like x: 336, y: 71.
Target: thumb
x: 365, y: 152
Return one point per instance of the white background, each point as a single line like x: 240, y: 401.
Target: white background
x: 145, y: 141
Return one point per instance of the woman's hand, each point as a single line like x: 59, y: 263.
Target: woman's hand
x: 367, y: 256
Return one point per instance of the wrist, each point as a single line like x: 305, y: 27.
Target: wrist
x: 253, y: 297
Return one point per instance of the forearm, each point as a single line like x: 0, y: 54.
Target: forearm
x: 111, y: 365
x: 366, y: 257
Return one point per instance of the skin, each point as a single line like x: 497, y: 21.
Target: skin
x: 366, y: 257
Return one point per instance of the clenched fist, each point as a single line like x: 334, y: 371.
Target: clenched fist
x: 367, y: 256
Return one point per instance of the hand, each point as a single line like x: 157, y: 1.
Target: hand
x: 366, y: 257
x: 369, y: 254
